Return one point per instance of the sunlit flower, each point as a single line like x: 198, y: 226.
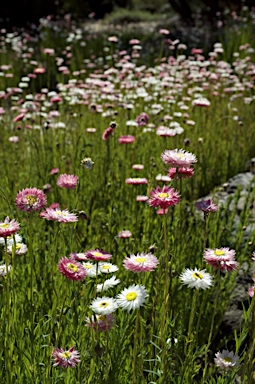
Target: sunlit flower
x: 195, y: 278
x: 178, y: 158
x: 163, y: 197
x: 206, y: 206
x: 107, y: 284
x: 57, y: 215
x: 104, y: 305
x: 97, y: 255
x: 222, y: 258
x: 30, y: 200
x: 132, y: 297
x: 67, y: 181
x: 71, y: 269
x: 65, y: 358
x: 107, y: 267
x: 144, y: 262
x: 100, y: 323
x: 226, y: 360
x: 8, y: 228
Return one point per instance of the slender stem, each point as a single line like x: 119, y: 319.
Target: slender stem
x: 60, y: 321
x: 190, y: 339
x: 247, y: 366
x: 7, y: 340
x: 134, y: 365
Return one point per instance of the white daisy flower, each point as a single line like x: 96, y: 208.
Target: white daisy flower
x: 104, y: 305
x: 107, y: 267
x: 91, y: 269
x: 226, y: 360
x: 20, y: 249
x: 108, y: 284
x: 195, y: 278
x: 132, y: 297
x: 18, y: 239
x: 3, y: 269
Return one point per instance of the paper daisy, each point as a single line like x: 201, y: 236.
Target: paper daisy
x: 107, y: 267
x: 109, y: 283
x: 65, y: 359
x: 226, y: 360
x: 91, y: 269
x: 144, y: 262
x: 18, y: 239
x: 178, y: 158
x: 100, y: 323
x: 195, y: 278
x: 8, y: 227
x: 104, y: 305
x: 132, y: 297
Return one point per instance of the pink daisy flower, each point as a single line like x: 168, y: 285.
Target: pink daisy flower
x: 222, y: 258
x: 30, y: 200
x: 141, y: 198
x: 138, y: 167
x: 8, y: 228
x: 136, y: 181
x: 183, y: 173
x: 206, y: 206
x: 124, y: 234
x: 178, y: 158
x: 100, y: 323
x: 127, y: 139
x: 251, y: 291
x: 163, y: 197
x: 54, y: 171
x: 67, y: 181
x: 107, y: 133
x: 142, y: 119
x: 57, y: 215
x: 65, y: 358
x: 162, y: 211
x: 71, y: 269
x: 144, y: 262
x: 97, y: 255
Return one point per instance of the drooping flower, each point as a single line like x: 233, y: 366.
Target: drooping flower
x: 71, y: 269
x: 65, y: 358
x: 178, y: 158
x: 30, y: 200
x: 104, y: 305
x: 206, y: 206
x: 97, y: 255
x: 183, y: 173
x: 226, y: 360
x: 57, y: 215
x: 195, y: 278
x: 100, y: 323
x: 222, y: 258
x: 67, y: 181
x: 144, y: 262
x: 163, y: 197
x: 132, y: 297
x: 107, y: 284
x: 8, y: 228
x: 107, y: 133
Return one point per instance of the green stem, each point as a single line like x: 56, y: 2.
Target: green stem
x: 134, y: 365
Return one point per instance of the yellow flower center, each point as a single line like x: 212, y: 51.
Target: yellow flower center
x: 31, y: 200
x: 101, y: 318
x: 66, y: 355
x: 97, y: 254
x: 181, y: 155
x: 227, y: 359
x: 18, y: 246
x: 197, y: 275
x: 163, y: 195
x: 4, y: 225
x: 140, y: 259
x: 104, y: 304
x: 105, y: 267
x: 131, y: 296
x: 219, y: 252
x: 72, y: 267
x: 88, y: 266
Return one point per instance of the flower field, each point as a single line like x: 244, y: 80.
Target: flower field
x: 114, y: 269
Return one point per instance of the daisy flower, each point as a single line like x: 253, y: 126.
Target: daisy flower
x: 57, y: 215
x: 8, y: 228
x: 67, y: 181
x: 65, y: 358
x: 125, y: 234
x: 107, y: 267
x: 226, y: 360
x: 136, y: 180
x: 104, y: 305
x: 141, y: 262
x: 19, y: 248
x: 30, y: 200
x: 91, y: 269
x: 97, y: 255
x: 4, y: 270
x: 10, y: 241
x: 132, y: 297
x: 107, y: 133
x: 142, y: 119
x: 71, y: 269
x: 126, y: 139
x: 100, y: 323
x: 222, y: 258
x: 195, y: 278
x: 87, y: 163
x: 178, y: 158
x: 206, y: 206
x: 141, y: 198
x: 183, y: 173
x: 163, y: 197
x: 109, y: 283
